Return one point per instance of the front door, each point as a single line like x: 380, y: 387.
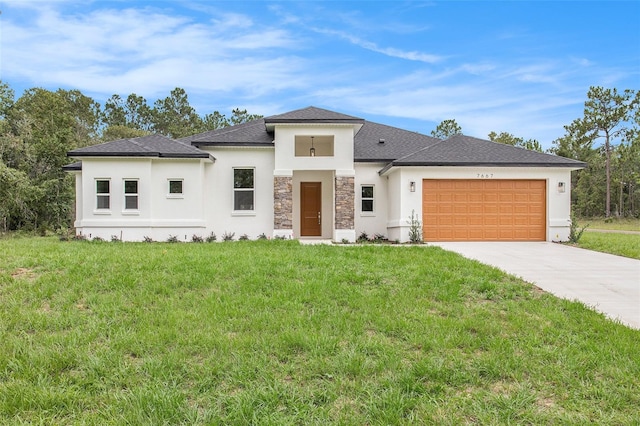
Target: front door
x: 310, y: 208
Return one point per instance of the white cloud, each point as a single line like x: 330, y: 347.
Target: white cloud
x: 146, y: 50
x: 388, y: 51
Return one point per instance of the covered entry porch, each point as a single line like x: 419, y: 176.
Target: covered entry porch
x: 313, y: 204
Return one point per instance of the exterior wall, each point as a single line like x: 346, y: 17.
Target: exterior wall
x: 375, y: 222
x: 158, y: 216
x: 286, y: 161
x: 402, y: 201
x: 218, y: 193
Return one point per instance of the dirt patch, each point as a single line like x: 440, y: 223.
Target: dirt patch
x: 24, y: 273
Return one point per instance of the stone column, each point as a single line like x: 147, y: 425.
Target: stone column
x: 283, y: 204
x: 345, y: 208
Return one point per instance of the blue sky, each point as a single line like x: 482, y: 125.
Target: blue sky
x: 514, y: 66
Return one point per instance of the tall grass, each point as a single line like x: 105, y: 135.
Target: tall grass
x: 271, y: 332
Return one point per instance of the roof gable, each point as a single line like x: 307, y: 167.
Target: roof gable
x: 145, y: 146
x: 312, y: 115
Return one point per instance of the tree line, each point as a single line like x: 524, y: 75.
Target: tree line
x: 606, y: 138
x: 38, y: 128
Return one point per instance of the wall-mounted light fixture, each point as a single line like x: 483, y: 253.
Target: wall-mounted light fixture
x: 312, y: 151
x: 412, y: 186
x: 561, y: 186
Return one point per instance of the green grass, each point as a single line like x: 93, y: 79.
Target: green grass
x: 271, y: 332
x: 615, y: 224
x: 627, y: 245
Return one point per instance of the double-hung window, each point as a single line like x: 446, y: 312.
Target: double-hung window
x: 130, y: 194
x: 103, y: 194
x: 243, y: 189
x: 366, y: 199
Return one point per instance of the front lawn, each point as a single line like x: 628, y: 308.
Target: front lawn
x: 271, y: 332
x: 627, y: 245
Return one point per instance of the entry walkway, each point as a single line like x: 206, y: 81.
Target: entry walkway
x: 609, y: 284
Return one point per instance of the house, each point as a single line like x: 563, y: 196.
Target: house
x: 314, y: 173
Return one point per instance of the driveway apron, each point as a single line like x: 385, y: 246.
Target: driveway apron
x: 607, y: 283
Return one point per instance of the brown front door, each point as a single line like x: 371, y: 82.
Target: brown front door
x: 310, y: 208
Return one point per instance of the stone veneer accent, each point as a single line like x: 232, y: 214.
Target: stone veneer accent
x: 345, y: 201
x: 283, y: 202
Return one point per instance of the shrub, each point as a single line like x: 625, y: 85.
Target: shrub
x: 97, y: 239
x: 173, y: 239
x: 415, y: 229
x: 379, y: 238
x: 147, y: 239
x: 228, y: 236
x: 244, y: 237
x: 212, y: 237
x: 575, y: 232
x: 197, y: 239
x: 115, y: 239
x: 363, y: 237
x: 262, y: 236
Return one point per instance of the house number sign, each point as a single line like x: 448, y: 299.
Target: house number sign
x: 485, y: 175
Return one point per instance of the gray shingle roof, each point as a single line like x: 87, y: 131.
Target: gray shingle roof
x: 252, y: 133
x: 145, y: 146
x: 72, y: 167
x: 312, y: 115
x: 397, y: 142
x: 461, y: 150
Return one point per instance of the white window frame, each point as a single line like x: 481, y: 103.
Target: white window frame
x: 125, y: 194
x: 107, y: 195
x: 235, y: 190
x: 175, y: 194
x: 372, y: 199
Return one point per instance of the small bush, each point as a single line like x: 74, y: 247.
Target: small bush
x: 115, y: 239
x: 228, y: 236
x: 280, y: 237
x: 197, y: 239
x: 363, y: 237
x: 173, y: 239
x: 262, y: 236
x: 379, y: 238
x: 147, y: 239
x: 415, y: 229
x: 212, y: 237
x: 79, y: 237
x: 575, y: 232
x: 244, y: 237
x: 97, y: 239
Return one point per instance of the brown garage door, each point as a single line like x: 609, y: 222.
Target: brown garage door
x: 483, y: 210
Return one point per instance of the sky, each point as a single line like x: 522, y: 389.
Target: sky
x: 509, y: 66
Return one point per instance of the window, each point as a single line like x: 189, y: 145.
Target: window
x: 243, y: 188
x: 175, y: 187
x: 367, y: 199
x: 131, y: 195
x: 103, y: 194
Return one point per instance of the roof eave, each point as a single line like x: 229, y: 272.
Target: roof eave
x: 198, y: 144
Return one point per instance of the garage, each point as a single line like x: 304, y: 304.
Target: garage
x: 483, y: 210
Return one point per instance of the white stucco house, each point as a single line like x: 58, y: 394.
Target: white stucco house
x: 315, y: 173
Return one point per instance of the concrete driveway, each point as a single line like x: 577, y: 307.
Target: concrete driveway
x: 609, y: 284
